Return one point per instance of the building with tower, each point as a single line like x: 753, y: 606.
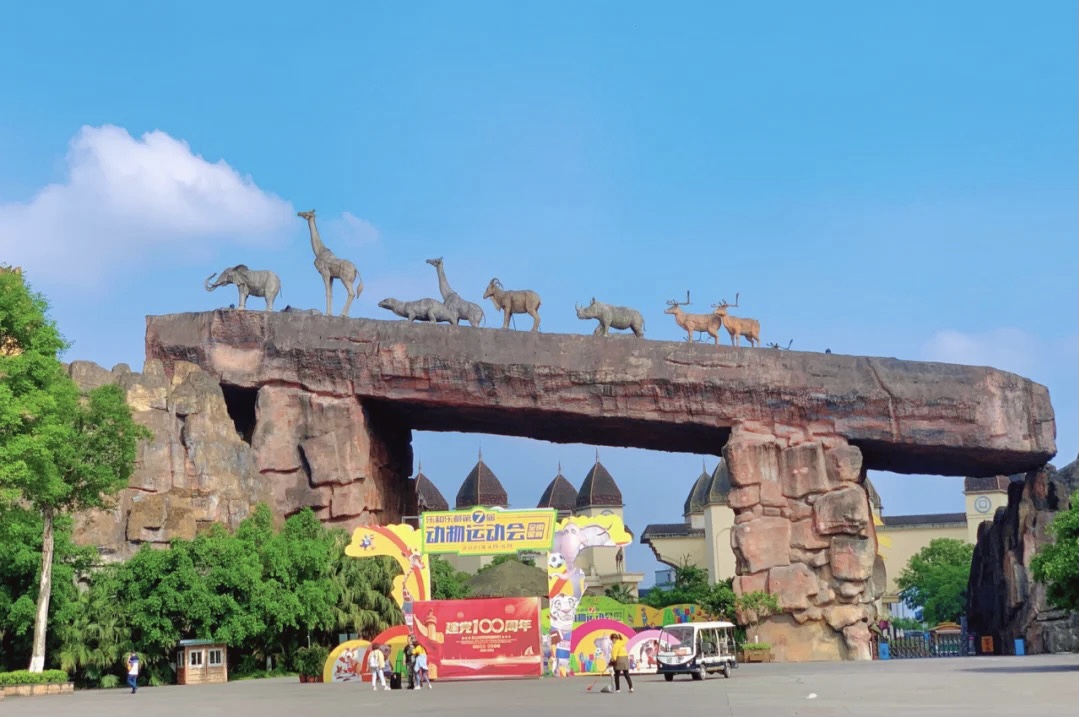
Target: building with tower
x: 604, y: 567
x: 703, y: 538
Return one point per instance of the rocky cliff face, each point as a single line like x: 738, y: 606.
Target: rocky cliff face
x: 1003, y: 599
x: 209, y: 463
x: 804, y: 533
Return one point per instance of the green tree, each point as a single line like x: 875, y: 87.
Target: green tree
x: 691, y: 585
x: 20, y: 563
x: 263, y: 592
x: 59, y: 452
x: 935, y: 580
x: 448, y: 583
x: 1057, y: 563
x: 754, y: 607
x: 720, y: 600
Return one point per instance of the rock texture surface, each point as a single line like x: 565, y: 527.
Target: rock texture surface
x: 1002, y: 598
x: 194, y: 472
x: 804, y: 533
x: 211, y: 462
x: 903, y: 416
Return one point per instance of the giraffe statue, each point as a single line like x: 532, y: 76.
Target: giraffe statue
x: 331, y: 267
x: 463, y: 310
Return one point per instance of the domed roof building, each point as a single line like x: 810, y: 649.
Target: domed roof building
x: 599, y: 493
x: 428, y: 496
x: 707, y: 522
x: 560, y: 495
x: 481, y: 488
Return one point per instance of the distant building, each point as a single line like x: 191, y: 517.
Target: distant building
x: 603, y: 567
x: 703, y: 538
x: 481, y: 488
x: 599, y: 494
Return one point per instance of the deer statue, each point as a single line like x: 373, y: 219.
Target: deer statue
x: 707, y: 323
x: 463, y: 310
x: 736, y: 327
x: 520, y: 301
x: 331, y: 267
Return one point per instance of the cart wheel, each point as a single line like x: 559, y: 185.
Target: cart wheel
x: 727, y: 670
x: 669, y: 676
x: 701, y: 674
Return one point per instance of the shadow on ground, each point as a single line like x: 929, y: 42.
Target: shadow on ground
x: 1017, y: 669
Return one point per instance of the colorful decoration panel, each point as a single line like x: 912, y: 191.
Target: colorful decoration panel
x: 348, y: 661
x: 566, y: 581
x: 487, y: 531
x: 481, y: 638
x: 598, y: 607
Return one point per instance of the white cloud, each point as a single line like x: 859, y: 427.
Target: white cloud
x: 124, y: 199
x: 1006, y: 348
x: 350, y: 228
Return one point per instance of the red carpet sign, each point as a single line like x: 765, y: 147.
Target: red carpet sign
x: 482, y: 638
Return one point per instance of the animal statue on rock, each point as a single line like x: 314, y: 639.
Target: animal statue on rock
x: 430, y: 310
x: 706, y: 323
x: 332, y: 267
x: 616, y: 317
x: 736, y: 327
x: 265, y: 284
x: 464, y: 310
x: 519, y: 301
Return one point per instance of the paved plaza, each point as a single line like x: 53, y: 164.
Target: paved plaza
x: 952, y: 687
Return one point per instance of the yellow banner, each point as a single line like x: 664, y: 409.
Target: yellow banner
x: 487, y: 531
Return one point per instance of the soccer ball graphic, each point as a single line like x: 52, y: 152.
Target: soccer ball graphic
x: 556, y: 562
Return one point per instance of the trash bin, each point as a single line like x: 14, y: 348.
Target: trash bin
x: 1020, y: 647
x: 884, y: 651
x: 395, y: 681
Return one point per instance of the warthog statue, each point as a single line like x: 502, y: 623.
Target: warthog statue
x: 612, y: 317
x: 429, y: 310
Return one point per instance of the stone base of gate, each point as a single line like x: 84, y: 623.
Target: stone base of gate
x: 804, y: 532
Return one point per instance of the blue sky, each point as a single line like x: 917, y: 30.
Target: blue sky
x: 891, y: 180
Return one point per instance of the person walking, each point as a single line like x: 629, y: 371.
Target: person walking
x: 376, y: 662
x: 133, y: 671
x: 620, y: 661
x: 419, y: 654
x: 410, y: 647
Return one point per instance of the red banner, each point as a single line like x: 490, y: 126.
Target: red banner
x: 481, y: 638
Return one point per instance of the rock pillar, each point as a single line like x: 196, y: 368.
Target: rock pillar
x: 804, y: 532
x: 346, y: 461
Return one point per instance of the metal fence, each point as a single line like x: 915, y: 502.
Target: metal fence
x: 929, y: 645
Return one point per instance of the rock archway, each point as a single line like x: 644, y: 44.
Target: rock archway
x: 335, y: 401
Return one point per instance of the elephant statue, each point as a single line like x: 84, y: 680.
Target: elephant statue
x: 249, y: 283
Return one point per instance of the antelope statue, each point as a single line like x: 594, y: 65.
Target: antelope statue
x: 707, y: 323
x: 736, y: 327
x: 519, y: 301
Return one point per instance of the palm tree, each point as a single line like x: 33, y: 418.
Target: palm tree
x: 95, y: 639
x: 622, y: 593
x: 364, y: 604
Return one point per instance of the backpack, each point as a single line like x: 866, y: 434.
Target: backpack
x: 372, y: 659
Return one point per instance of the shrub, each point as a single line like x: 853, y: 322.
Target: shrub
x: 25, y: 677
x: 756, y: 646
x: 309, y: 661
x: 107, y: 682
